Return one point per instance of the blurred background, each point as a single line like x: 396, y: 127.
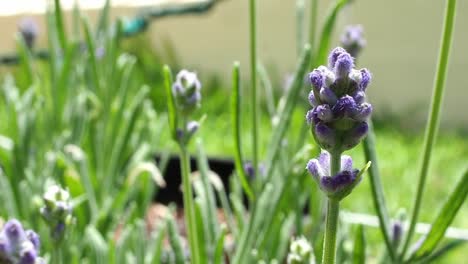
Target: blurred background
x: 402, y: 43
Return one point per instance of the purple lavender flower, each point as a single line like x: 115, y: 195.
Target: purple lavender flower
x: 29, y: 31
x: 186, y: 90
x: 18, y: 245
x: 353, y: 40
x: 336, y: 186
x: 339, y: 115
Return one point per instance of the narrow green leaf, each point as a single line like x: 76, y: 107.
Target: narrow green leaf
x: 432, y: 125
x: 444, y: 218
x: 103, y: 22
x: 60, y: 26
x: 359, y: 252
x: 175, y: 240
x: 219, y: 250
x: 235, y: 119
x: 441, y: 252
x: 171, y: 109
x: 327, y: 31
x: 378, y: 196
x: 286, y: 114
x: 92, y: 56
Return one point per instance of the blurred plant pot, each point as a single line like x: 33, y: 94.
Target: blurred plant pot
x: 172, y: 193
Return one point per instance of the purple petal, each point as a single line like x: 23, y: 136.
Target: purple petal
x: 316, y: 79
x: 345, y: 106
x: 363, y: 112
x: 34, y: 238
x: 344, y: 64
x: 324, y: 160
x: 314, y: 168
x: 332, y: 58
x: 328, y: 96
x: 346, y: 163
x: 324, y: 113
x: 366, y: 78
x: 311, y: 98
x: 14, y: 230
x: 360, y: 97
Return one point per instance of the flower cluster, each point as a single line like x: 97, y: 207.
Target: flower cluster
x: 57, y: 211
x: 18, y: 246
x: 353, y: 40
x: 300, y: 252
x: 337, y: 186
x: 339, y: 114
x: 186, y: 91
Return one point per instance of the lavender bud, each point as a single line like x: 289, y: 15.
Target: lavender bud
x: 310, y: 117
x: 343, y: 65
x: 328, y: 96
x: 192, y: 127
x: 14, y: 231
x: 353, y: 40
x: 29, y: 31
x: 34, y: 238
x: 360, y: 97
x: 345, y: 106
x: 311, y: 98
x: 397, y: 232
x: 314, y: 168
x: 249, y: 169
x: 332, y: 58
x: 365, y: 80
x: 324, y: 113
x: 186, y: 90
x: 363, y: 112
x: 57, y: 211
x: 28, y: 254
x: 346, y: 163
x: 325, y: 136
x: 5, y: 247
x: 338, y: 182
x: 316, y: 79
x: 355, y: 135
x: 300, y: 252
x: 328, y: 76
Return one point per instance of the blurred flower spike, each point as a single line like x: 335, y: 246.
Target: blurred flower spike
x: 19, y: 246
x: 353, y: 40
x: 29, y: 31
x: 186, y: 91
x: 57, y: 211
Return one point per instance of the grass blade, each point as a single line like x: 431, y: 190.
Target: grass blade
x: 286, y: 114
x: 359, y: 252
x: 235, y: 119
x: 444, y: 219
x: 455, y: 244
x: 171, y: 110
x: 60, y: 27
x: 327, y: 31
x: 434, y: 114
x: 378, y: 196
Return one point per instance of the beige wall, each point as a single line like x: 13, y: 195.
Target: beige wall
x: 402, y: 36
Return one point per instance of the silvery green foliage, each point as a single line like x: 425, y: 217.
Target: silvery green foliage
x: 301, y: 252
x: 19, y: 246
x: 57, y: 211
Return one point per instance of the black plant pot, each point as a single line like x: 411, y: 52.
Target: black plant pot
x: 172, y: 192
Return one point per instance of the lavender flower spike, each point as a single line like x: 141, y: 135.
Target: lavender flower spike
x: 353, y: 40
x: 17, y: 245
x: 29, y: 30
x: 335, y: 186
x: 186, y: 90
x: 340, y: 112
x: 57, y: 211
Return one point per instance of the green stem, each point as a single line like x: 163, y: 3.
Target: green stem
x: 433, y: 124
x: 333, y: 211
x: 329, y: 244
x: 253, y: 73
x: 188, y: 204
x: 313, y: 22
x: 57, y: 254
